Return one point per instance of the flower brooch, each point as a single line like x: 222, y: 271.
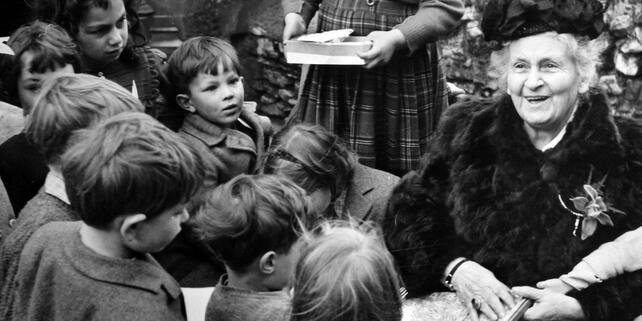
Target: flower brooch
x: 591, y: 210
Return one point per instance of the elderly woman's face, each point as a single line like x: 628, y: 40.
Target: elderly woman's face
x: 543, y: 81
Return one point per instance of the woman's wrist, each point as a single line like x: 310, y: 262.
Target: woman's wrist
x: 450, y: 270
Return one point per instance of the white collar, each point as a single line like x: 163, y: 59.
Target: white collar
x: 560, y: 135
x: 55, y: 185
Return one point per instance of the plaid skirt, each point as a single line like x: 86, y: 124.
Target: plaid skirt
x: 385, y: 114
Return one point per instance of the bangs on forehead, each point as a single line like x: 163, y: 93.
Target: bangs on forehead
x: 215, y: 63
x: 44, y: 59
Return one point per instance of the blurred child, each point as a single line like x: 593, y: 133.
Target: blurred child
x: 66, y: 104
x: 345, y: 273
x: 109, y: 36
x: 320, y: 163
x: 129, y: 179
x: 42, y: 51
x: 253, y: 223
x: 206, y: 72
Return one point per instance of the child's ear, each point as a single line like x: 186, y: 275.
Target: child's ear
x: 267, y: 262
x: 129, y: 228
x: 184, y: 101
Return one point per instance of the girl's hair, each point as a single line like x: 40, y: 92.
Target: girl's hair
x: 51, y: 47
x: 251, y: 215
x: 312, y: 157
x: 346, y: 273
x: 585, y: 53
x: 69, y: 13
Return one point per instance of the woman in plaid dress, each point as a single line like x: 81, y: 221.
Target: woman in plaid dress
x: 387, y: 110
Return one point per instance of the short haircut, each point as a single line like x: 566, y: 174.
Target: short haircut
x: 51, y: 46
x: 127, y: 164
x: 585, y: 53
x: 346, y: 273
x: 251, y: 215
x: 200, y: 55
x: 312, y: 157
x: 71, y: 102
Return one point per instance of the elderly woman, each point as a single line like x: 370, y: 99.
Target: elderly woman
x: 518, y: 189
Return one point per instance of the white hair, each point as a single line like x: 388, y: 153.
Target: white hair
x: 585, y: 53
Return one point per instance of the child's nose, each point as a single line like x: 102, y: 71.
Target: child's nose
x: 115, y: 38
x: 184, y: 216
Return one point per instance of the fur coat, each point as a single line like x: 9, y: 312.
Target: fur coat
x: 485, y: 192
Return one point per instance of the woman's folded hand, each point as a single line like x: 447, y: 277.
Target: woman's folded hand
x: 481, y: 292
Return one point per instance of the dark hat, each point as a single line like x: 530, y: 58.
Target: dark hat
x: 512, y: 19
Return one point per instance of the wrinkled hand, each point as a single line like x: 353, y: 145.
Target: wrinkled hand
x: 384, y: 45
x: 550, y: 306
x: 554, y: 285
x: 294, y: 26
x: 473, y: 281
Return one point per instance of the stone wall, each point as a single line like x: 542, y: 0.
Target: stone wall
x: 255, y: 26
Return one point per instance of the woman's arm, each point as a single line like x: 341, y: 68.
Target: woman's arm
x: 306, y: 8
x: 434, y: 19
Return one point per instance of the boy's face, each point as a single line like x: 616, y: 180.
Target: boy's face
x: 218, y: 99
x: 102, y: 33
x: 156, y: 233
x: 29, y: 83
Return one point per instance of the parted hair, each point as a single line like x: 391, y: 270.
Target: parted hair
x: 51, y: 47
x: 251, y: 215
x: 345, y: 273
x: 69, y: 13
x: 312, y: 157
x: 201, y: 54
x: 71, y: 102
x: 127, y: 164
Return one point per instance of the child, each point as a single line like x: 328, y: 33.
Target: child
x: 129, y: 178
x: 112, y: 45
x: 42, y: 51
x: 205, y: 71
x: 67, y: 103
x: 346, y: 273
x: 316, y: 160
x: 253, y: 224
x: 387, y: 110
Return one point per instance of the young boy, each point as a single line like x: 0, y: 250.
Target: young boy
x: 205, y: 71
x: 253, y: 223
x: 67, y: 103
x: 128, y: 178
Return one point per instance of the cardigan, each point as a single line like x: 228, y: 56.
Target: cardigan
x: 486, y: 193
x: 433, y: 19
x: 231, y: 304
x: 42, y: 209
x: 59, y: 278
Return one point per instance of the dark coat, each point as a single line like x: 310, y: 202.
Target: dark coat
x: 486, y: 193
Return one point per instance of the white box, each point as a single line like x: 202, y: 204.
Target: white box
x: 327, y: 53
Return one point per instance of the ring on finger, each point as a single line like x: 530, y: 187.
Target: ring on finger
x: 476, y: 302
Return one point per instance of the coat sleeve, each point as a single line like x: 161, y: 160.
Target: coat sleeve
x: 434, y: 19
x: 306, y: 8
x: 419, y: 231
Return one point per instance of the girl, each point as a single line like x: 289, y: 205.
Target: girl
x: 112, y: 46
x: 316, y: 160
x: 42, y: 51
x: 345, y: 273
x: 387, y: 110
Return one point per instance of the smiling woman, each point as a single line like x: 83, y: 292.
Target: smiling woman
x: 489, y: 208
